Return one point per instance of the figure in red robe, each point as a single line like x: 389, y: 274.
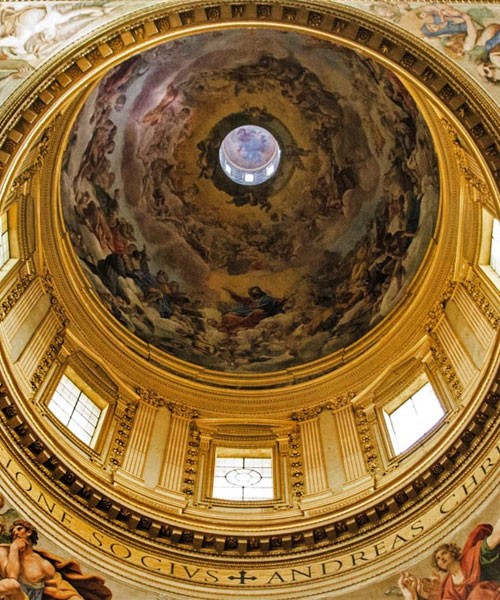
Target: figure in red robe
x: 472, y: 574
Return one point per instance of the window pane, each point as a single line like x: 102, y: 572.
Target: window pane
x: 495, y: 247
x: 75, y: 410
x: 243, y: 478
x: 4, y: 240
x: 414, y: 418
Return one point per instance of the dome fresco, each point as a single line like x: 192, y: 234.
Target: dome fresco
x: 250, y: 278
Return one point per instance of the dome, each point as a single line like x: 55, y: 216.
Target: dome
x: 249, y: 318
x: 250, y: 276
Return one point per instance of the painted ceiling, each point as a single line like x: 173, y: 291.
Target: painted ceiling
x: 250, y: 278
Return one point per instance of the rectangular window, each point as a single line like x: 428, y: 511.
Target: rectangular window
x: 75, y: 410
x: 412, y: 419
x: 243, y: 476
x: 4, y: 240
x: 495, y: 247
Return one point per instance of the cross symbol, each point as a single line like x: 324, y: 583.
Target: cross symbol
x: 242, y: 577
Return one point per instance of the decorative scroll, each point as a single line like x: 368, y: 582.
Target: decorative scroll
x: 55, y: 301
x: 43, y: 149
x: 150, y: 397
x: 437, y: 311
x: 464, y: 167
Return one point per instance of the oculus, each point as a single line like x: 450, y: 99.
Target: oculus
x: 249, y: 155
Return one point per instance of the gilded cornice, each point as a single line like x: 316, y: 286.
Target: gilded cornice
x: 424, y: 484
x: 129, y: 357
x: 185, y: 384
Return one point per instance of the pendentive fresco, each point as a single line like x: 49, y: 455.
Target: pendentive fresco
x: 250, y: 278
x: 29, y: 571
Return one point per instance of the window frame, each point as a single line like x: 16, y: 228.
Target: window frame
x: 11, y: 220
x: 244, y: 453
x: 96, y: 441
x: 484, y: 262
x: 214, y: 439
x: 393, y: 405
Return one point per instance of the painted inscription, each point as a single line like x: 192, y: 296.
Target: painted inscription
x: 156, y: 562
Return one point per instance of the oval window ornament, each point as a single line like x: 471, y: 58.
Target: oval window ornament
x: 249, y: 155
